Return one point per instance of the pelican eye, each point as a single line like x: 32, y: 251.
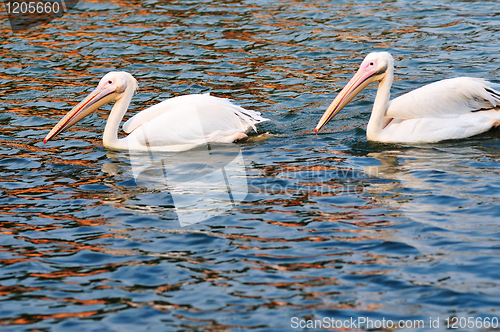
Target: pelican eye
x: 110, y: 82
x: 371, y: 63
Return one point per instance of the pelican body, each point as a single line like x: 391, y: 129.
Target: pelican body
x: 448, y: 109
x: 176, y: 124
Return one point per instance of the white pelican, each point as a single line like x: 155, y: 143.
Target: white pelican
x: 449, y: 109
x: 176, y: 124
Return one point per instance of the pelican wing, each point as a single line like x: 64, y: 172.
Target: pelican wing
x: 190, y: 120
x: 153, y: 112
x: 446, y: 99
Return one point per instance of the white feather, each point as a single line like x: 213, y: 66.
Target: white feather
x: 186, y: 121
x: 446, y: 98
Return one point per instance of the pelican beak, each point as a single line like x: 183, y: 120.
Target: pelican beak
x: 358, y: 82
x: 97, y: 98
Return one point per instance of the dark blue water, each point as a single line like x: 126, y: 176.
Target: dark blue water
x: 329, y: 225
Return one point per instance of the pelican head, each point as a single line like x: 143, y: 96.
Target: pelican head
x: 112, y: 87
x: 373, y: 69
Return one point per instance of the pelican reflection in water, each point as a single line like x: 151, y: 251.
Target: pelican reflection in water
x: 202, y: 183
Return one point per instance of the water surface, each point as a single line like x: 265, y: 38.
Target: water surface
x: 332, y: 226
